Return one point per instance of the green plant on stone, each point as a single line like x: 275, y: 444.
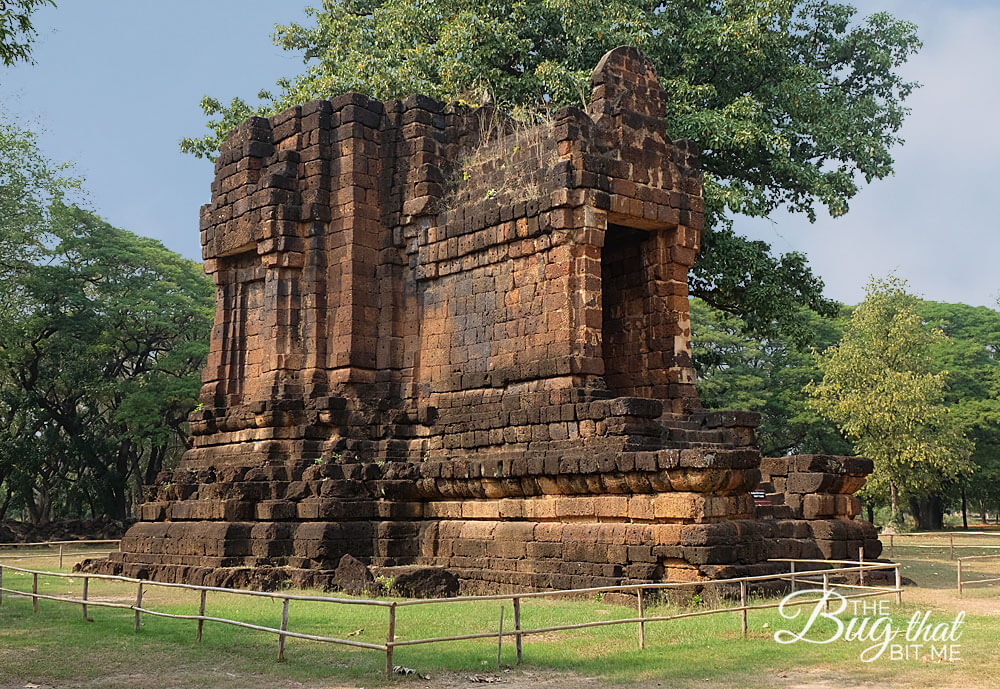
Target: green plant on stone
x: 385, y: 582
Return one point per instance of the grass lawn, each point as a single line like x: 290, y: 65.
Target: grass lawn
x: 56, y: 648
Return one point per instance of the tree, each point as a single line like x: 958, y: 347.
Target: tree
x: 17, y: 34
x: 792, y: 101
x: 971, y: 355
x: 740, y: 370
x: 881, y: 388
x: 29, y: 185
x: 102, y: 338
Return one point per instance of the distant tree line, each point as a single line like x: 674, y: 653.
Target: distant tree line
x: 913, y: 384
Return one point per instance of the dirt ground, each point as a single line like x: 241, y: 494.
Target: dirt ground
x: 812, y: 678
x: 947, y: 600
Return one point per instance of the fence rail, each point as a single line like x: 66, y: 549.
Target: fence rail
x: 61, y: 545
x: 810, y: 576
x: 969, y: 582
x: 36, y: 544
x: 951, y: 545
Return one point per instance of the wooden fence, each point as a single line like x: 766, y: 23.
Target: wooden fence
x: 810, y: 575
x: 951, y: 545
x: 969, y: 582
x: 58, y: 546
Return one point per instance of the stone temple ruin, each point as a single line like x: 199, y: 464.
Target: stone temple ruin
x: 445, y: 340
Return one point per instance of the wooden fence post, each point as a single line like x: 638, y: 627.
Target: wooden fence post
x: 60, y: 555
x: 826, y: 590
x: 959, y: 577
x: 500, y: 638
x: 1, y: 584
x: 792, y: 570
x: 86, y: 588
x: 138, y: 604
x: 284, y: 628
x: 34, y: 589
x: 899, y: 586
x: 517, y: 627
x: 892, y: 548
x: 390, y: 639
x: 743, y: 606
x: 642, y: 625
x: 951, y: 546
x: 861, y: 564
x: 201, y: 614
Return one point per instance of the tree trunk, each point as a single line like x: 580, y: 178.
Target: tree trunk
x: 155, y: 465
x: 916, y: 509
x: 928, y: 512
x: 935, y: 509
x: 119, y: 486
x: 6, y: 503
x: 871, y: 512
x: 965, y: 510
x: 982, y: 511
x: 894, y: 502
x: 40, y: 506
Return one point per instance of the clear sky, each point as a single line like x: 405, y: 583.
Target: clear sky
x: 117, y: 85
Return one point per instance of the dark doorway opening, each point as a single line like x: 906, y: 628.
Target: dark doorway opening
x: 626, y: 302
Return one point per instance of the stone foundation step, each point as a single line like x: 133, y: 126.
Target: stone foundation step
x: 774, y: 512
x: 682, y: 424
x: 682, y: 435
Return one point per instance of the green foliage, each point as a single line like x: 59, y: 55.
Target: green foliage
x: 29, y: 185
x: 17, y: 34
x: 738, y: 369
x: 792, y: 101
x: 742, y: 277
x: 881, y: 387
x: 971, y: 355
x: 102, y: 338
x: 385, y: 583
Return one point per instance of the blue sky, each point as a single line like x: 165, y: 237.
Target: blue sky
x: 117, y: 85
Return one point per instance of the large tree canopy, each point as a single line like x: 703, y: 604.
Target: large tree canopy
x: 794, y: 102
x: 102, y: 338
